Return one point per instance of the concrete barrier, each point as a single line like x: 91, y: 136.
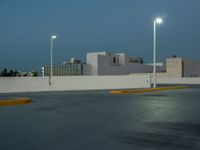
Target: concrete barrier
x: 70, y: 83
x: 184, y: 81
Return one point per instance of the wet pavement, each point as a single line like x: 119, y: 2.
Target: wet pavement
x: 97, y: 120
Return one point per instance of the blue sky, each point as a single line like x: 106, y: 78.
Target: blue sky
x: 95, y: 25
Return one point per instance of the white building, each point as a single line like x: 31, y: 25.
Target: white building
x: 105, y: 63
x: 179, y: 67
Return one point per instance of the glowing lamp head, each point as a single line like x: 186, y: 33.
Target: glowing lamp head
x: 53, y: 37
x: 158, y: 20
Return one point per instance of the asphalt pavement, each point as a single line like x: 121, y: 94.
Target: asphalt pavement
x: 98, y: 120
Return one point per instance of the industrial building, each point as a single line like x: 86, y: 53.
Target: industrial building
x: 106, y: 63
x: 73, y: 68
x: 180, y: 67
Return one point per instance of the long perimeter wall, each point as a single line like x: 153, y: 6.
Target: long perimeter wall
x: 70, y: 83
x: 178, y: 81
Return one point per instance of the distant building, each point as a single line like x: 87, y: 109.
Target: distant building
x: 24, y: 74
x: 75, y: 61
x: 179, y: 67
x: 136, y: 60
x: 105, y: 63
x: 74, y: 68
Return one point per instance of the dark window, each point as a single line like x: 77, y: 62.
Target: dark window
x: 114, y: 59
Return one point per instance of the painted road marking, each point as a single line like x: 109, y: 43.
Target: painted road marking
x: 15, y: 101
x: 147, y: 90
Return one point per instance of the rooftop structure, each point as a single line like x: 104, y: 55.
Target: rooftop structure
x: 180, y: 67
x: 105, y: 63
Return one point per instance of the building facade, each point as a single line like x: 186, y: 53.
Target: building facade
x: 179, y: 67
x: 73, y: 68
x: 64, y: 70
x: 105, y: 63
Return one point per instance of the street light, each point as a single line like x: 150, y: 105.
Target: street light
x: 156, y: 21
x: 51, y: 59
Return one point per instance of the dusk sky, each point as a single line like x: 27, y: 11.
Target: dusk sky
x: 95, y: 25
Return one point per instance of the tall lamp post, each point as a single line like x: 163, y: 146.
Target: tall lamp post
x: 156, y: 21
x: 51, y: 59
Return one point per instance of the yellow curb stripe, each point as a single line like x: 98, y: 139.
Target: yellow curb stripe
x: 16, y: 101
x: 147, y: 90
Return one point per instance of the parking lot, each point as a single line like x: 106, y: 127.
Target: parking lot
x: 98, y: 120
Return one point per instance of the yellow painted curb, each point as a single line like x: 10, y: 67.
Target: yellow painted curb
x: 15, y: 101
x: 147, y: 90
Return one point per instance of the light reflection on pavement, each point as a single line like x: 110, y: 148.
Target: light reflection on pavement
x: 97, y: 120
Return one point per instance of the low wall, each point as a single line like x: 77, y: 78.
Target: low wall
x: 178, y: 80
x: 69, y: 83
x: 163, y: 78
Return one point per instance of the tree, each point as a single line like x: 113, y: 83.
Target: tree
x: 4, y: 73
x: 15, y: 73
x: 35, y: 74
x: 11, y: 73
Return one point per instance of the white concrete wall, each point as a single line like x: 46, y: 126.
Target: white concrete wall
x: 191, y: 68
x: 68, y: 83
x: 158, y: 75
x: 122, y: 59
x: 174, y: 67
x: 106, y: 69
x: 92, y: 62
x: 102, y: 64
x: 178, y: 80
x: 178, y: 67
x: 163, y: 78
